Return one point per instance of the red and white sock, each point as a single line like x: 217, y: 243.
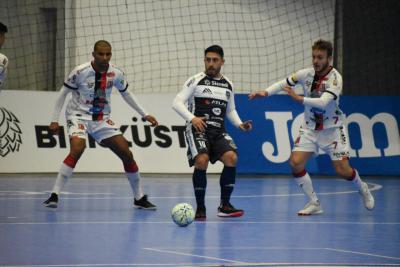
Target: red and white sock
x: 65, y: 172
x: 304, y: 181
x: 132, y: 172
x: 355, y: 178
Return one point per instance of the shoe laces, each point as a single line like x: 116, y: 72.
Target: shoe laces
x: 227, y: 206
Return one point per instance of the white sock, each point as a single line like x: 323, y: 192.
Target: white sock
x: 62, y: 177
x: 134, y: 181
x: 306, y: 184
x: 357, y: 180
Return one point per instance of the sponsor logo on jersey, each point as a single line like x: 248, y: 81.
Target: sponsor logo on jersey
x: 216, y: 111
x: 214, y: 123
x: 218, y: 102
x: 207, y: 82
x: 226, y: 85
x: 335, y: 79
x: 10, y: 132
x: 207, y: 91
x: 110, y: 122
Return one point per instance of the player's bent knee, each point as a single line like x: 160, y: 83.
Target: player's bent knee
x: 296, y: 165
x: 230, y: 158
x: 201, y: 161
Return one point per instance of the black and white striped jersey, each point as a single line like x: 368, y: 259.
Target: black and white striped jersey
x: 204, y: 96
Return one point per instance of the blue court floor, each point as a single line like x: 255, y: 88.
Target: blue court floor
x: 96, y: 224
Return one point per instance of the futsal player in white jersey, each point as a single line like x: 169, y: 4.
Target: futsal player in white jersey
x: 3, y: 58
x: 88, y: 112
x: 204, y: 101
x: 323, y: 126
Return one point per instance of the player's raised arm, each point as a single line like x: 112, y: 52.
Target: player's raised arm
x: 275, y: 88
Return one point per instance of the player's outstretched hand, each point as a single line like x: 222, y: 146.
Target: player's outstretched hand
x: 54, y: 127
x: 151, y: 119
x: 257, y: 94
x: 293, y: 94
x: 199, y: 124
x: 246, y: 126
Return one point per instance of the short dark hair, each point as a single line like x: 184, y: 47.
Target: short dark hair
x: 3, y: 28
x: 216, y: 49
x: 101, y: 43
x: 323, y: 45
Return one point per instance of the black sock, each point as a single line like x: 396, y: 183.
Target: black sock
x: 227, y: 183
x: 199, y: 179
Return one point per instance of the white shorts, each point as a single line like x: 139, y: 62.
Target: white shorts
x: 332, y: 141
x: 99, y: 130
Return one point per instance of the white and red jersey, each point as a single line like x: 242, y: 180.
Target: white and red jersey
x: 321, y: 97
x: 91, y: 91
x: 3, y: 69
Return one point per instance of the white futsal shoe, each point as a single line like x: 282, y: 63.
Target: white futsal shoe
x: 311, y: 208
x: 368, y: 199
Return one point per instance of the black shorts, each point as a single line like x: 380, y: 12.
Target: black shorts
x: 213, y: 143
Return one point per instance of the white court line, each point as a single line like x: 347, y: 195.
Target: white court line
x: 374, y: 187
x: 283, y: 248
x: 17, y: 193
x: 105, y: 264
x: 362, y: 253
x: 205, y: 222
x: 208, y: 265
x: 244, y: 248
x: 193, y: 255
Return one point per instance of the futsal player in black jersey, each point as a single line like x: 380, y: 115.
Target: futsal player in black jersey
x: 206, y: 99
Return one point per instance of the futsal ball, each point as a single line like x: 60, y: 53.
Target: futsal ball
x: 182, y: 214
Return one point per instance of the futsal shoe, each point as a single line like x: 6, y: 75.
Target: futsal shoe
x: 143, y: 203
x: 227, y: 210
x: 200, y: 213
x: 311, y: 208
x: 368, y: 199
x: 52, y: 201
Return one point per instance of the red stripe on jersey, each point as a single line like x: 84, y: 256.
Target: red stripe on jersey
x: 103, y: 86
x: 319, y: 118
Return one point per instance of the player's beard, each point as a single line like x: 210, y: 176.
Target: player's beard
x: 213, y: 72
x: 102, y: 66
x: 323, y: 69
